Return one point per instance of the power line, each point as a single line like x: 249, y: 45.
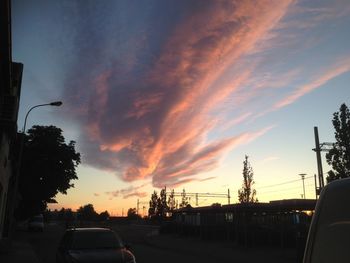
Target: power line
x: 281, y: 190
x: 288, y: 182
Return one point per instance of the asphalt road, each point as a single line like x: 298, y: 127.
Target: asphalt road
x: 167, y: 249
x: 45, y: 245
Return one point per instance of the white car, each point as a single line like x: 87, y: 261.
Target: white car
x: 36, y: 223
x: 329, y: 233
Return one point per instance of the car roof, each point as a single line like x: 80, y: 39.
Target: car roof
x: 90, y: 229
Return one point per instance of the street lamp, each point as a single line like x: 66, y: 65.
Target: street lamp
x: 303, y: 178
x: 55, y: 103
x: 20, y: 154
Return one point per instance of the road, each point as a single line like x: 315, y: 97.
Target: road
x: 45, y: 245
x: 167, y: 248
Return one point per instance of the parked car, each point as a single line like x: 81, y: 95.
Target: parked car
x: 329, y: 233
x: 36, y: 223
x: 93, y: 245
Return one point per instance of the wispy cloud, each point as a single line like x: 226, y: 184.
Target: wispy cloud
x: 182, y: 166
x: 132, y: 191
x: 149, y: 116
x: 269, y: 159
x: 336, y: 70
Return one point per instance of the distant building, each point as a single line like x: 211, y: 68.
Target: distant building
x: 10, y: 89
x: 281, y: 222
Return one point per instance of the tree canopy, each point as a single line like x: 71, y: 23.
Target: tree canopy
x: 247, y: 194
x: 48, y: 167
x: 158, y: 205
x: 87, y: 212
x: 132, y: 214
x: 339, y: 156
x: 184, y: 199
x: 171, y: 201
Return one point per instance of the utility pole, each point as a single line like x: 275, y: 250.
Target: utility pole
x: 319, y: 161
x: 138, y: 206
x: 303, y: 179
x: 228, y: 195
x: 315, y: 185
x: 320, y: 147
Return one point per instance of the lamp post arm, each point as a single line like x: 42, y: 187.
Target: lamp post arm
x: 25, y: 119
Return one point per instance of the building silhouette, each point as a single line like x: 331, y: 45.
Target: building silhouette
x: 10, y: 89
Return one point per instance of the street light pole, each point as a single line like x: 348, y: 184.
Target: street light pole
x: 55, y: 103
x: 20, y: 155
x: 303, y: 178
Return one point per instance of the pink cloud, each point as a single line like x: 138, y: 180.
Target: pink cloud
x: 177, y: 171
x: 339, y: 68
x: 155, y: 125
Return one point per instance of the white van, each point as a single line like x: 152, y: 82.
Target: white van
x: 329, y: 233
x: 36, y: 223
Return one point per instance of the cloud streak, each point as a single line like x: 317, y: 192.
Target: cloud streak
x: 339, y: 68
x: 128, y: 192
x: 148, y: 117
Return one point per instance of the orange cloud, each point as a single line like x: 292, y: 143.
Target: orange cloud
x: 177, y: 171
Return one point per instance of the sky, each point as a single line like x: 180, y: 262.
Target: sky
x: 175, y: 93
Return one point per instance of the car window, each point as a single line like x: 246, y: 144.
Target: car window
x: 95, y: 239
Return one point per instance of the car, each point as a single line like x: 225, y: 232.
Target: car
x: 329, y: 233
x: 36, y: 223
x: 93, y: 245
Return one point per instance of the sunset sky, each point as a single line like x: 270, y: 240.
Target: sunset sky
x: 175, y: 93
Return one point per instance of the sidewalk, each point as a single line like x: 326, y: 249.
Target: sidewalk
x: 221, y: 251
x: 19, y: 252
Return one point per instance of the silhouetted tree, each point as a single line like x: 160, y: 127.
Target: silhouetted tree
x: 103, y: 216
x: 247, y: 194
x: 171, y: 201
x: 48, y: 167
x: 184, y: 199
x: 162, y: 206
x: 87, y: 212
x: 132, y: 213
x: 152, y: 211
x: 158, y: 206
x: 339, y: 156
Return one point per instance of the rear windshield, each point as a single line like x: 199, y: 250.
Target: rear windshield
x: 36, y: 219
x: 95, y: 239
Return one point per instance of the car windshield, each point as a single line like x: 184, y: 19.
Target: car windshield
x: 95, y: 240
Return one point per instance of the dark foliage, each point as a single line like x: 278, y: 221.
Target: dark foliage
x: 87, y: 213
x: 184, y: 199
x: 339, y: 156
x: 158, y: 205
x: 132, y: 214
x: 48, y: 167
x: 247, y: 194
